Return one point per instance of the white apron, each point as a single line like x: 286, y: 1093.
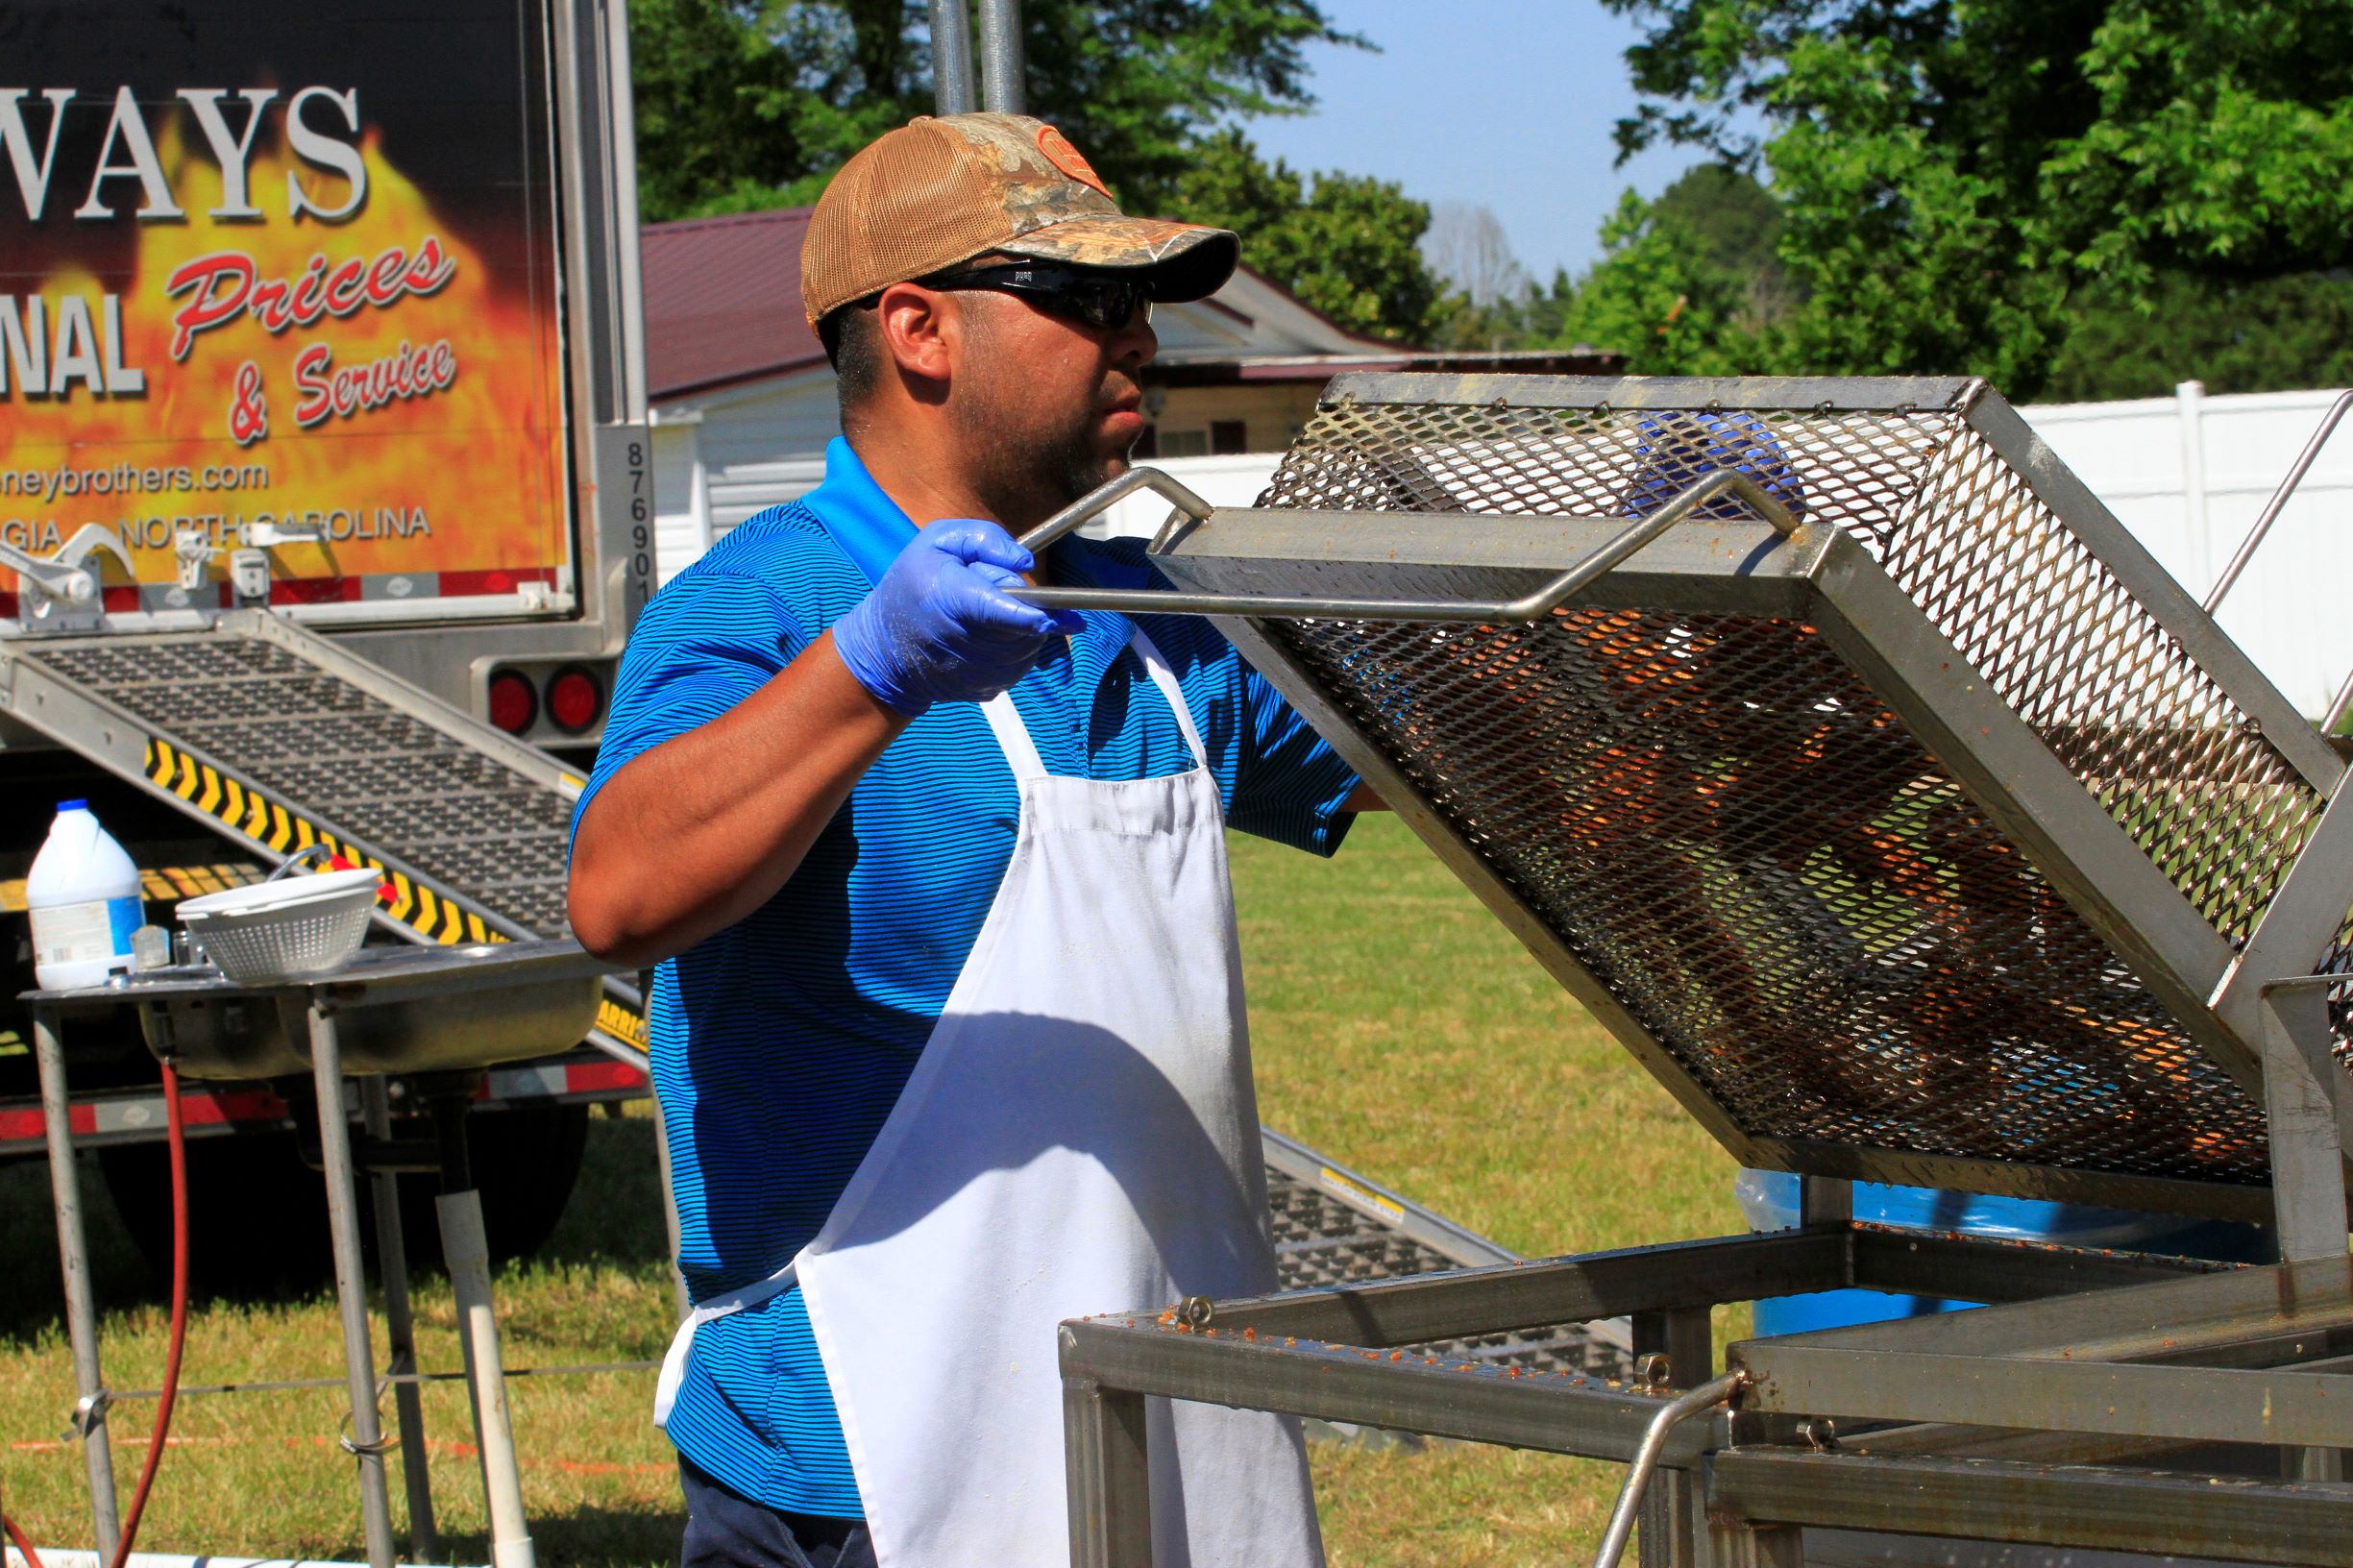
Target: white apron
x: 1079, y: 1136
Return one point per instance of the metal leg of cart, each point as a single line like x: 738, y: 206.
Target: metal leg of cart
x: 465, y: 1249
x: 73, y: 1262
x: 400, y: 1330
x: 2302, y: 1084
x: 366, y: 1441
x: 1104, y: 1444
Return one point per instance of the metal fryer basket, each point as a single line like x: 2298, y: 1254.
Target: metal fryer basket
x: 1741, y: 811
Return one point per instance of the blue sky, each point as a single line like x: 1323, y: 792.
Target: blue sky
x: 1503, y: 102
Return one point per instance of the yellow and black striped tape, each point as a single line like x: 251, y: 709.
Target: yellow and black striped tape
x: 281, y: 830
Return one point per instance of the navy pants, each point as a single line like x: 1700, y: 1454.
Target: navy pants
x: 727, y: 1530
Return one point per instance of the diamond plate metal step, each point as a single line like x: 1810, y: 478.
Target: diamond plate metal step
x: 1333, y: 1227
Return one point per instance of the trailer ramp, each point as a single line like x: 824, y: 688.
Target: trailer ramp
x: 279, y: 739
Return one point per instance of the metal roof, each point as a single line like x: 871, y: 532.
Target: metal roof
x: 723, y: 301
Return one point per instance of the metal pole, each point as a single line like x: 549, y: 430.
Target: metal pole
x: 2278, y: 503
x: 400, y: 1331
x: 1001, y: 87
x: 466, y: 1250
x: 366, y: 1441
x: 73, y: 1262
x: 1673, y: 1522
x: 952, y: 58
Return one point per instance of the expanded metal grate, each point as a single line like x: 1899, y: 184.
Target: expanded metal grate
x: 303, y: 734
x: 2030, y: 605
x: 1726, y: 827
x: 1320, y: 1242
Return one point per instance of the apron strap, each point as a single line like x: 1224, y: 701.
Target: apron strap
x: 1013, y: 737
x: 1166, y: 679
x: 1021, y: 753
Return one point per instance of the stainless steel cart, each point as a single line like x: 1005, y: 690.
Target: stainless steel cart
x: 404, y: 1010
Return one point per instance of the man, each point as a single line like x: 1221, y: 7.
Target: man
x: 947, y: 1029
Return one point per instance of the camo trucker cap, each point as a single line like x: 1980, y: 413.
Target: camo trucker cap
x: 937, y: 191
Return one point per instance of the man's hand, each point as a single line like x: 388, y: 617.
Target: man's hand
x: 940, y: 627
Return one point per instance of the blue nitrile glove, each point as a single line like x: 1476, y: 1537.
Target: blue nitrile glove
x: 938, y: 627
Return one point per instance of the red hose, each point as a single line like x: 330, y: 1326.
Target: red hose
x: 180, y: 1316
x: 33, y: 1558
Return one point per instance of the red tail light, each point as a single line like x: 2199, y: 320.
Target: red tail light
x: 575, y: 700
x: 513, y: 703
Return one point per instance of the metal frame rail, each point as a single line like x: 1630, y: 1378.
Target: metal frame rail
x: 2104, y: 1401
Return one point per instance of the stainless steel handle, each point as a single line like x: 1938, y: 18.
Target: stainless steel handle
x: 1104, y: 497
x: 1532, y: 606
x: 2278, y: 503
x: 1705, y: 1396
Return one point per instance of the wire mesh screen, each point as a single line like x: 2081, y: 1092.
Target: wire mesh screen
x: 1737, y: 838
x: 2035, y: 611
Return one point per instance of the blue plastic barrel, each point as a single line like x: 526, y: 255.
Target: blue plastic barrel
x: 1769, y: 1199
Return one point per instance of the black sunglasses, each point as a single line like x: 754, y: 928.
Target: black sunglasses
x: 1106, y: 300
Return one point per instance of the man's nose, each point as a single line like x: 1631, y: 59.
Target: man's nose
x: 1137, y: 341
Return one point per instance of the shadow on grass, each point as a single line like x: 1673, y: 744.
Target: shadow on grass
x: 614, y: 1216
x: 589, y: 1538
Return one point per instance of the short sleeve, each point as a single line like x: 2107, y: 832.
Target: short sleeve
x: 706, y: 642
x: 1288, y: 785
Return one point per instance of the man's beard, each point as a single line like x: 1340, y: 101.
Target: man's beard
x: 1025, y: 478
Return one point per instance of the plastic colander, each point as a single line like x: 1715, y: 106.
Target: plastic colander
x: 286, y: 930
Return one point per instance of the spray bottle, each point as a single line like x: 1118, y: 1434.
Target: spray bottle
x: 83, y: 896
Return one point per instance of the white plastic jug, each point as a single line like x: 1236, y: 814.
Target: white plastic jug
x: 83, y: 896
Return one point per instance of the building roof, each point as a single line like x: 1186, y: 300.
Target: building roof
x: 723, y: 301
x: 723, y: 308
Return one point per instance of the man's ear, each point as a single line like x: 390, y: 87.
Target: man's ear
x: 922, y: 330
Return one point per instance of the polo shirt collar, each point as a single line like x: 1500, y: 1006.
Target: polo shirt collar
x: 863, y: 524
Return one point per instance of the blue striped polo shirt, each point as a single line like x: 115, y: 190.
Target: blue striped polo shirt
x: 781, y: 1044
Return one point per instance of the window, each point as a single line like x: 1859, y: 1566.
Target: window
x: 1229, y: 435
x: 1184, y: 443
x: 1147, y: 445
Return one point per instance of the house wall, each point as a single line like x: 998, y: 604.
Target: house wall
x: 1272, y: 413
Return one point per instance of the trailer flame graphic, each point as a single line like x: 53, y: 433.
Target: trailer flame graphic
x: 380, y: 381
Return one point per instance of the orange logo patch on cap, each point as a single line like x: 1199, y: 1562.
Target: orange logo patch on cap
x: 1069, y: 159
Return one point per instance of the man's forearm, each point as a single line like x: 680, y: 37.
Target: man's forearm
x: 702, y: 830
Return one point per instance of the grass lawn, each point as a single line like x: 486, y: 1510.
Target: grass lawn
x: 1398, y: 1028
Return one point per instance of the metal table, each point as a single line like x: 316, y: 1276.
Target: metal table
x: 1845, y: 757
x: 392, y: 1010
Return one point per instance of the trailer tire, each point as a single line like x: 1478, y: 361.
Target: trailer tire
x: 257, y: 1214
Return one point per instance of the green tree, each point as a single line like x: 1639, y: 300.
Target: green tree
x: 751, y: 104
x: 1347, y: 244
x: 1964, y: 181
x: 754, y: 102
x: 1690, y: 284
x: 2234, y: 336
x: 1659, y: 295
